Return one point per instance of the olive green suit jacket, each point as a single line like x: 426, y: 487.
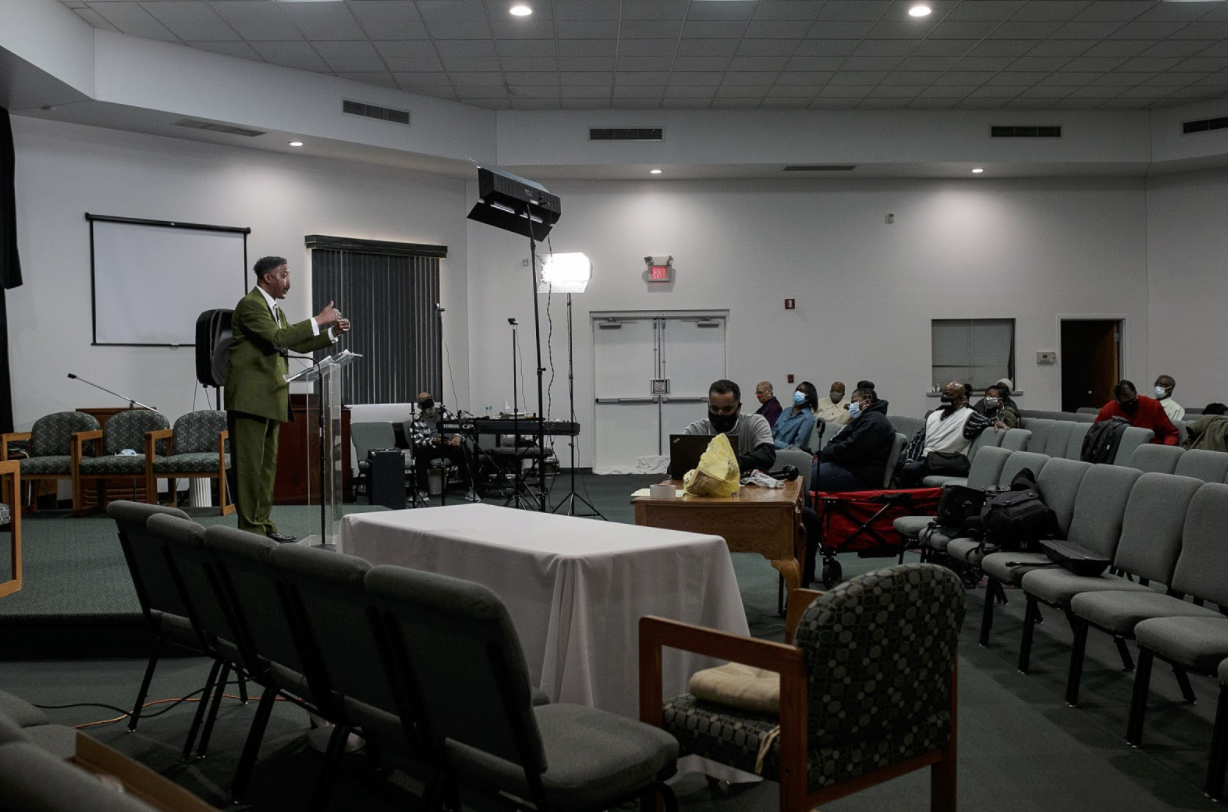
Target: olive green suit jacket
x: 256, y: 378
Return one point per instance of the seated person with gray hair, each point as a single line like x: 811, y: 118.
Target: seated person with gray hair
x: 750, y: 434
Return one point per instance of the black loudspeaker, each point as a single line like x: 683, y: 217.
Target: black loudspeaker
x: 213, y: 338
x: 386, y: 477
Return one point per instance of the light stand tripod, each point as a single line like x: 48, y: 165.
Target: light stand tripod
x: 542, y: 495
x: 572, y: 497
x: 521, y: 495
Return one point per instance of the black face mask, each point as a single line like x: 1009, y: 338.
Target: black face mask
x: 946, y: 400
x: 426, y: 405
x: 1129, y: 407
x: 722, y: 422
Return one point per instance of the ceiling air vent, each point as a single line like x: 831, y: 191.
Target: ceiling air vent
x: 820, y: 168
x: 371, y: 111
x: 217, y: 128
x: 1205, y: 125
x: 1025, y: 132
x: 626, y: 134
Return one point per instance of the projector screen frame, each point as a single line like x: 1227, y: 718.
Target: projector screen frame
x: 106, y: 218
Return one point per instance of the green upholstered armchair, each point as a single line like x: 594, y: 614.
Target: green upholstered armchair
x: 123, y: 431
x: 867, y: 690
x: 49, y: 448
x: 197, y: 447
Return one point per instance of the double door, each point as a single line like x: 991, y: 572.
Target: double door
x: 651, y: 374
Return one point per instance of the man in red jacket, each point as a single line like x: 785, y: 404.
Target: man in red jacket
x: 1141, y: 411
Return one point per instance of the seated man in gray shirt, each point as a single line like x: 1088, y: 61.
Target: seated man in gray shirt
x: 753, y: 443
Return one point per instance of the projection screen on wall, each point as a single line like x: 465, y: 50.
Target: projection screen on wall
x: 151, y: 278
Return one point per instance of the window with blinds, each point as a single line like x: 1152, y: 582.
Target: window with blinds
x: 389, y: 292
x: 976, y: 351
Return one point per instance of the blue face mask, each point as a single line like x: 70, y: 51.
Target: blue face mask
x: 799, y: 398
x: 854, y: 409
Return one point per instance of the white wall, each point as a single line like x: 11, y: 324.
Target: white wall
x: 65, y: 170
x: 865, y: 290
x: 1187, y: 250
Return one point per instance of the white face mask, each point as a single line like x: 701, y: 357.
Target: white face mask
x: 854, y: 409
x: 1161, y: 392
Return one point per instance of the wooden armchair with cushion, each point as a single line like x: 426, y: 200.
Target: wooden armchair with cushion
x: 97, y: 458
x: 196, y: 448
x: 50, y: 449
x: 866, y: 693
x: 10, y: 516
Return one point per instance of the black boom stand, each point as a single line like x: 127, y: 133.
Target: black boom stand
x: 521, y: 496
x: 572, y: 497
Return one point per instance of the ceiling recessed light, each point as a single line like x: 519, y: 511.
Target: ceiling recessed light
x: 654, y: 171
x: 977, y: 171
x: 520, y: 10
x: 919, y: 11
x: 296, y: 143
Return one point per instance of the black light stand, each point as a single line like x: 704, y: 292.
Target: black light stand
x: 520, y: 490
x: 542, y: 495
x: 572, y: 497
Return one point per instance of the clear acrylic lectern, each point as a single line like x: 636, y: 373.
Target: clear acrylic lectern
x: 325, y: 456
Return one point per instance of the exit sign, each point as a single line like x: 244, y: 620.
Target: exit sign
x: 660, y: 273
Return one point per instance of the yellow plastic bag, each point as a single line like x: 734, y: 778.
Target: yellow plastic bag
x: 717, y: 474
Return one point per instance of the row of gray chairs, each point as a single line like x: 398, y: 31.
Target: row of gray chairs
x: 429, y: 668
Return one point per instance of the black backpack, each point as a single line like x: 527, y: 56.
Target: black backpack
x: 1100, y: 444
x: 958, y: 504
x: 1017, y: 520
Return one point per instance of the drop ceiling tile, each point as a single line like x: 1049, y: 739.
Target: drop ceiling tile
x: 699, y: 78
x: 1073, y: 103
x: 1203, y: 30
x: 586, y: 78
x: 525, y: 47
x: 641, y: 78
x: 920, y: 103
x: 1115, y: 11
x: 994, y: 10
x: 441, y: 30
x: 1025, y: 30
x: 1091, y: 63
x: 854, y: 10
x: 1165, y: 12
x: 1194, y: 93
x: 895, y: 92
x: 586, y: 29
x: 876, y: 63
x: 1147, y: 31
x: 885, y: 47
x: 690, y: 91
x: 586, y: 9
x: 647, y: 47
x: 764, y: 47
x: 915, y: 78
x: 1178, y: 79
x: 971, y: 103
x: 585, y: 91
x: 317, y: 12
x: 331, y: 31
x: 644, y: 63
x: 804, y: 78
x: 1126, y: 104
x: 239, y: 49
x: 946, y: 91
x: 742, y: 92
x: 1022, y: 103
x: 994, y: 63
x: 490, y: 104
x: 257, y: 21
x: 1046, y: 92
x: 771, y: 102
x: 1062, y: 47
x: 903, y: 30
x: 1078, y: 30
x: 474, y: 64
x: 533, y: 91
x: 1217, y: 12
x: 350, y: 50
x: 1203, y: 63
x: 435, y: 91
x: 1039, y: 63
x: 130, y: 18
x: 395, y: 30
x: 379, y: 79
x: 1070, y: 79
x: 1048, y: 10
x: 812, y: 63
x: 1003, y: 47
x: 94, y: 18
x: 291, y: 55
x: 998, y: 91
x: 713, y: 29
x: 202, y: 32
x: 374, y: 10
x: 707, y: 47
x: 1119, y: 80
x: 928, y: 63
x: 586, y: 47
x: 1210, y: 80
x: 962, y: 30
x: 685, y: 104
x: 658, y: 9
x: 826, y: 47
x: 845, y: 91
x: 750, y: 78
x: 823, y: 103
x: 1094, y: 92
x: 942, y: 47
x: 1177, y: 47
x: 1142, y: 63
x: 520, y: 103
x: 729, y: 103
x: 183, y: 11
x: 793, y: 91
x: 585, y: 63
x: 422, y: 78
x: 476, y: 79
x: 1149, y: 93
x: 759, y: 63
x: 839, y: 30
x: 775, y: 29
x: 522, y: 29
x: 884, y: 104
x: 370, y: 64
x: 650, y: 29
x: 414, y: 64
x: 858, y: 78
x: 701, y: 63
x: 465, y: 48
x: 501, y: 10
x: 452, y: 11
x: 638, y: 92
x: 529, y: 63
x: 738, y: 10
x: 1016, y: 78
x: 964, y: 78
x: 1218, y: 49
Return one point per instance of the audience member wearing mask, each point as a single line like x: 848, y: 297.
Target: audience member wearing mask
x: 950, y: 429
x: 993, y: 406
x: 430, y: 445
x: 753, y: 445
x: 1140, y: 411
x: 1006, y: 387
x: 795, y: 426
x: 833, y: 408
x: 769, y: 407
x: 1210, y: 431
x: 1164, y: 386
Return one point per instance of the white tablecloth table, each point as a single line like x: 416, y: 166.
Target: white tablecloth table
x: 575, y: 588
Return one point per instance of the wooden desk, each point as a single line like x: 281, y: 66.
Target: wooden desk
x: 754, y: 520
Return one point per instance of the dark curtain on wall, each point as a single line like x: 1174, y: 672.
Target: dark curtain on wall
x: 10, y: 263
x: 389, y: 292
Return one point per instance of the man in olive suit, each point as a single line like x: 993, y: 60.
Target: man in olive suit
x: 257, y: 395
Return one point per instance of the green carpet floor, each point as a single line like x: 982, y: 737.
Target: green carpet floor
x: 1021, y: 749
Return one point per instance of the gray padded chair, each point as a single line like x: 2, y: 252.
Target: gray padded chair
x: 989, y: 438
x: 1017, y: 439
x: 803, y: 461
x: 50, y: 447
x: 1099, y: 511
x: 1131, y: 439
x: 908, y: 426
x: 1194, y: 645
x: 966, y: 550
x: 1091, y: 410
x: 457, y: 659
x: 1074, y: 448
x: 901, y: 442
x: 196, y: 451
x: 1197, y: 574
x: 1040, y: 428
x: 984, y: 473
x: 1156, y: 459
x: 1057, y: 439
x: 1209, y: 466
x: 34, y: 780
x: 1148, y: 549
x: 1218, y: 761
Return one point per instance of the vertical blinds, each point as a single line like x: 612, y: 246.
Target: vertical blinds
x: 977, y: 351
x: 389, y: 292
